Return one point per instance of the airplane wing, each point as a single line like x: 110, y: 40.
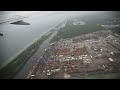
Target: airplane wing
x: 14, y: 16
x: 12, y: 19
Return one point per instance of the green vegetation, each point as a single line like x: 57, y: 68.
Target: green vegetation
x: 71, y: 30
x: 12, y: 68
x: 93, y: 23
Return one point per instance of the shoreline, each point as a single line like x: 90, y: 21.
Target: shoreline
x: 16, y: 54
x: 16, y: 63
x: 27, y: 45
x: 38, y: 39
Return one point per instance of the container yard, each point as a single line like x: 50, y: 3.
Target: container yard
x: 88, y: 54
